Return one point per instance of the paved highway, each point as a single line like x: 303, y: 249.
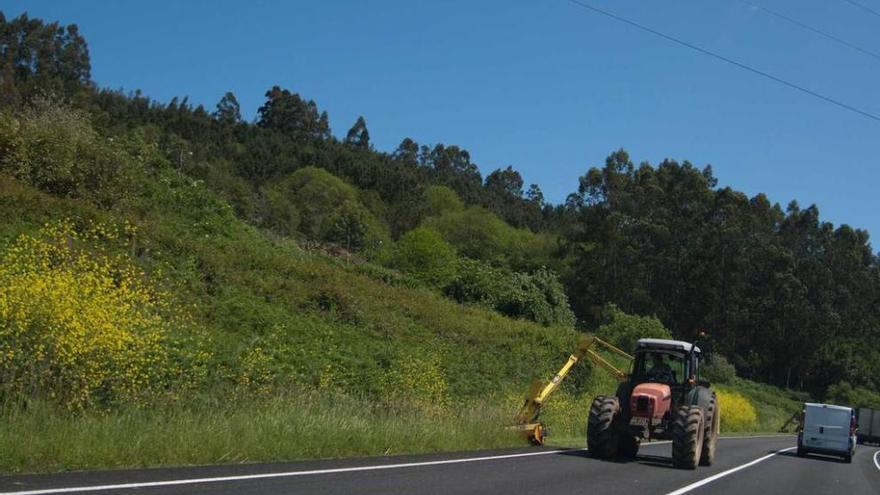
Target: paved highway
x: 765, y: 465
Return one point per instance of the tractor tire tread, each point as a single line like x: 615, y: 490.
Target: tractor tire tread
x: 710, y: 437
x: 687, y: 437
x: 602, y: 439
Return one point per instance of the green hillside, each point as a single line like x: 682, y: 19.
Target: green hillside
x: 342, y: 356
x: 278, y: 352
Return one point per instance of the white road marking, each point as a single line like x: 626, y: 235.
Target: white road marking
x: 722, y: 474
x: 876, y: 462
x: 194, y: 481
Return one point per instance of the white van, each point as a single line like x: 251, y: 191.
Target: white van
x: 827, y: 429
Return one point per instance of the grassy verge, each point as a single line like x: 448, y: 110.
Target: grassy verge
x: 43, y: 439
x: 222, y: 428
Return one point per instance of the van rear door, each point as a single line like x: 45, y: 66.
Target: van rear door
x: 827, y: 428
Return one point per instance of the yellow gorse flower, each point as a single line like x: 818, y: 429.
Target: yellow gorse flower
x: 77, y: 322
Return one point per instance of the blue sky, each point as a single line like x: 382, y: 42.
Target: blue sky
x: 545, y: 86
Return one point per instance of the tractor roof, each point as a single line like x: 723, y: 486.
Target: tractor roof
x: 676, y: 345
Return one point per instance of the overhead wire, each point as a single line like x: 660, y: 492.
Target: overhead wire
x: 727, y: 60
x: 812, y: 29
x: 863, y: 7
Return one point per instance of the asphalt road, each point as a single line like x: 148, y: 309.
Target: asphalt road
x: 743, y: 466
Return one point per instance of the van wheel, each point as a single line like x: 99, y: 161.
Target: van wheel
x: 847, y: 459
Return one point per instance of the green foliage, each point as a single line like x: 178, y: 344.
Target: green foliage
x: 282, y: 212
x: 536, y: 296
x: 786, y: 296
x: 441, y: 199
x: 228, y: 110
x: 54, y: 148
x: 624, y: 330
x: 845, y: 394
x: 288, y: 113
x: 358, y: 136
x: 479, y: 234
x: 424, y: 254
x: 323, y: 207
x: 40, y: 57
x: 477, y: 282
x: 717, y: 369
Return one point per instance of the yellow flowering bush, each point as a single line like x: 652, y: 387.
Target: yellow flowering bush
x: 78, y: 323
x: 737, y: 412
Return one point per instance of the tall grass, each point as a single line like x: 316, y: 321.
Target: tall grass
x: 43, y: 438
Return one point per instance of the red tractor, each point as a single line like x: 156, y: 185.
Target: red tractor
x: 662, y: 398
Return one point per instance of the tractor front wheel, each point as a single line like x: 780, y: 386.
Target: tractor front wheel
x: 628, y: 445
x: 687, y: 437
x: 602, y: 439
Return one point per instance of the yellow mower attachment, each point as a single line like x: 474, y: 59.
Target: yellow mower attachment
x: 527, y: 422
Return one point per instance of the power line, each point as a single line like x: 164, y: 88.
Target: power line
x: 812, y: 29
x: 712, y: 54
x: 863, y: 7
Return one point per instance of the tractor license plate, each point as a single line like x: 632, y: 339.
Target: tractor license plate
x: 639, y: 421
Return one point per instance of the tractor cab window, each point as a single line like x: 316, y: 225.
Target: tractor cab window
x: 661, y: 367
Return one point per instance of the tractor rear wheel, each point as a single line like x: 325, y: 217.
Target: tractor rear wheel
x: 710, y: 437
x: 687, y: 437
x: 602, y: 439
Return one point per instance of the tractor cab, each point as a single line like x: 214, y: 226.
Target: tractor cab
x: 672, y: 362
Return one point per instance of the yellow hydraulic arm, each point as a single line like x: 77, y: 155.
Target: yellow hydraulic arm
x: 527, y: 419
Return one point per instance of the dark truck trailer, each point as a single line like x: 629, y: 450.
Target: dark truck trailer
x: 869, y: 425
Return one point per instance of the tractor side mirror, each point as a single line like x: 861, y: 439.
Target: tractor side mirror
x: 704, y: 383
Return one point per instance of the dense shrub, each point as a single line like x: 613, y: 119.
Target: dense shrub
x: 424, y: 254
x: 536, y: 296
x: 475, y: 233
x: 441, y: 199
x: 717, y: 369
x: 80, y: 326
x: 323, y: 207
x: 55, y: 148
x: 479, y: 234
x: 623, y: 330
x: 478, y: 283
